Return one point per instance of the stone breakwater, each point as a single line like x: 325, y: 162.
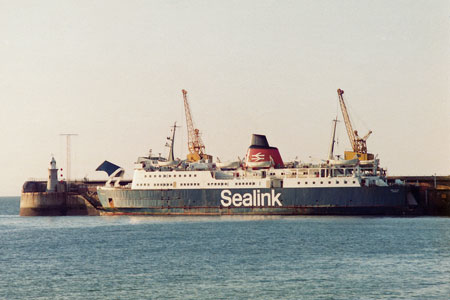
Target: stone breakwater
x: 73, y: 199
x: 55, y: 204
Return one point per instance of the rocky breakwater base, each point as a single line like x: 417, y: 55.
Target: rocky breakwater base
x: 65, y: 199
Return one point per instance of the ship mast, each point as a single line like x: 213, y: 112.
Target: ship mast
x: 171, y: 139
x: 333, y: 140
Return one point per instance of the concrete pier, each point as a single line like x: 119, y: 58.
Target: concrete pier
x: 431, y: 192
x: 68, y: 199
x: 56, y: 204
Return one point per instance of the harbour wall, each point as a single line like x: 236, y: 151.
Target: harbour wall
x: 431, y: 192
x: 56, y: 204
x: 73, y: 199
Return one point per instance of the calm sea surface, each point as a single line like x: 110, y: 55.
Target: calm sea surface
x: 222, y: 257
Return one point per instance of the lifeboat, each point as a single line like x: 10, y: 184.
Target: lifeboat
x: 259, y: 164
x: 167, y: 163
x: 228, y: 165
x: 348, y: 162
x: 366, y: 162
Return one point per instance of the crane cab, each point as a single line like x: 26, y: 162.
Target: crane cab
x: 348, y: 155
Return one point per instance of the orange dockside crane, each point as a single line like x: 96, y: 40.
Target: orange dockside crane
x: 358, y: 144
x: 195, y: 144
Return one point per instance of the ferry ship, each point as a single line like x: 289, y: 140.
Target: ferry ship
x: 261, y: 184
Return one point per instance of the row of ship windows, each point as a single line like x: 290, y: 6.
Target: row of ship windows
x: 168, y: 184
x: 196, y: 184
x: 237, y: 183
x: 293, y: 173
x: 218, y: 183
x: 329, y: 182
x: 175, y: 175
x: 155, y: 184
x: 225, y: 183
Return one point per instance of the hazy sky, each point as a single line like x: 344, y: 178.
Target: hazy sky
x: 112, y: 72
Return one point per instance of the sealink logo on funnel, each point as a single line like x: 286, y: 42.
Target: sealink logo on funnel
x: 260, y: 155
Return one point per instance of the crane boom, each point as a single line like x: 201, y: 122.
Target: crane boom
x: 348, y: 123
x: 195, y: 144
x: 359, y: 145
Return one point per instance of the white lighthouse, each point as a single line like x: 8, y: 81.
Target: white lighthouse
x: 52, y: 176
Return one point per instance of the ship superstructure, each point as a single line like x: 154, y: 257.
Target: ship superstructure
x: 261, y: 184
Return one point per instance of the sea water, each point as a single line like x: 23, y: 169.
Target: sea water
x: 222, y: 257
